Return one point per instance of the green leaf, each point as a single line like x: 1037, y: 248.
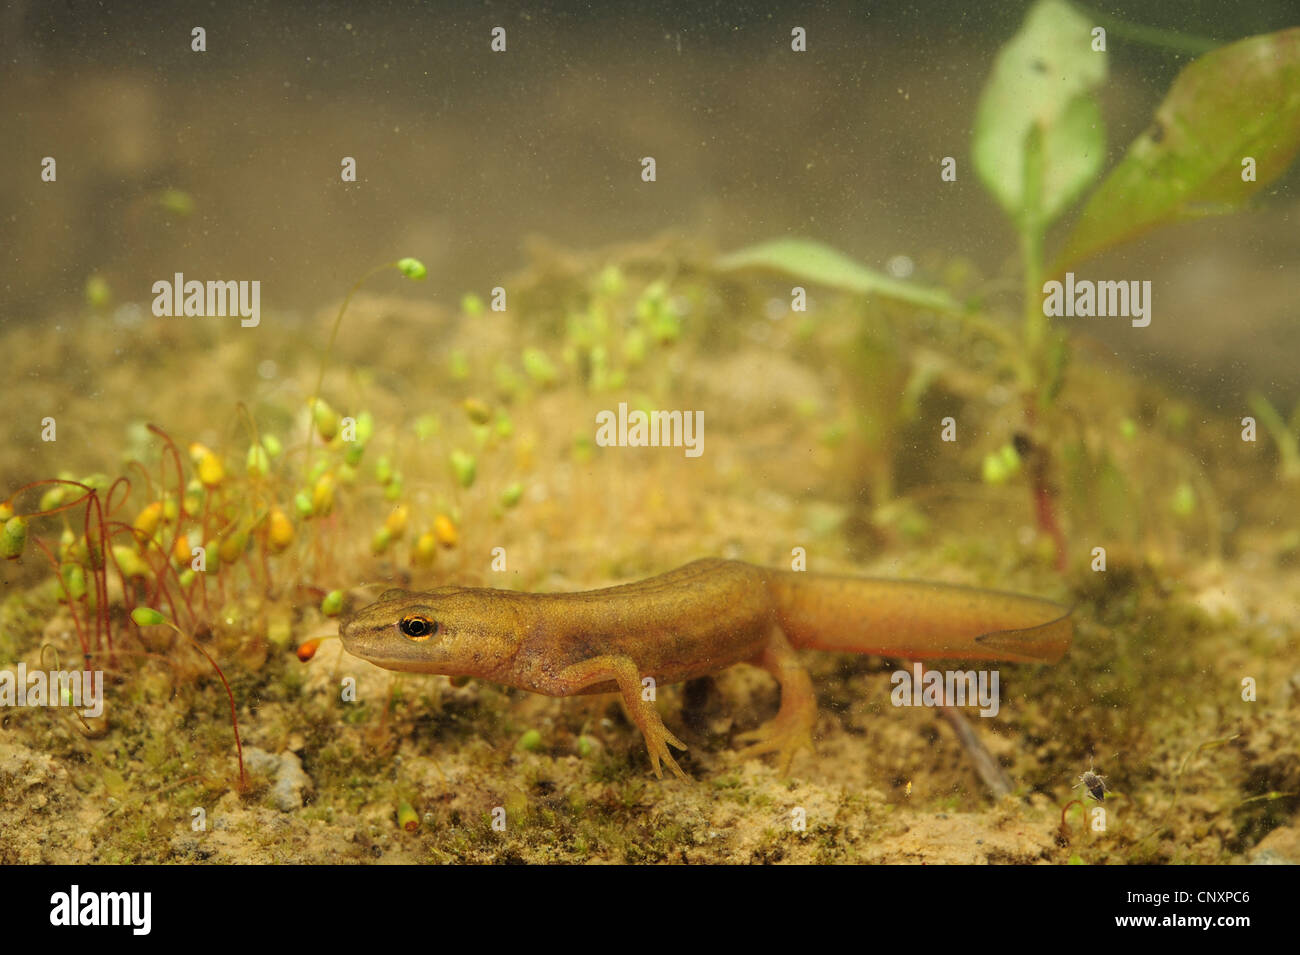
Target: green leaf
x: 815, y: 262
x: 1237, y: 101
x: 1041, y: 84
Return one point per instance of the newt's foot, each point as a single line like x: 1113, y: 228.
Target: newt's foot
x: 657, y: 740
x: 785, y: 735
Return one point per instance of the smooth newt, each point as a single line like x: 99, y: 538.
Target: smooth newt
x: 693, y: 621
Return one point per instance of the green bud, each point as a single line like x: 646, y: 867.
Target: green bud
x: 458, y: 365
x: 512, y: 494
x: 53, y: 497
x: 177, y: 202
x: 14, y: 538
x: 259, y: 462
x: 147, y: 617
x: 610, y: 280
x: 1183, y: 502
x: 98, y: 294
x: 539, y: 367
x: 365, y: 427
x: 412, y: 268
x: 332, y: 605
x: 464, y: 466
x: 426, y: 426
x: 994, y: 470
x: 74, y: 578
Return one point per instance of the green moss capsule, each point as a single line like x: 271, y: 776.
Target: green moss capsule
x: 147, y: 617
x: 74, y: 578
x: 412, y: 268
x: 13, y: 539
x: 464, y: 466
x: 332, y: 605
x: 512, y: 494
x: 539, y: 367
x: 272, y: 445
x: 407, y: 817
x: 258, y: 462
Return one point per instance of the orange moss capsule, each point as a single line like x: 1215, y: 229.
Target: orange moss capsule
x: 279, y: 531
x: 322, y: 495
x: 146, y: 522
x: 444, y: 530
x: 395, y: 523
x: 425, y: 550
x: 307, y: 649
x: 211, y: 471
x: 181, y: 550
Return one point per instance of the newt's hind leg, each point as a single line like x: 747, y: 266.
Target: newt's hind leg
x: 793, y: 724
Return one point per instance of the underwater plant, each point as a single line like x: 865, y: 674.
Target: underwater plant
x: 224, y: 549
x: 1228, y: 126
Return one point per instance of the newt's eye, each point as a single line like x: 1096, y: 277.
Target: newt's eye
x: 417, y: 627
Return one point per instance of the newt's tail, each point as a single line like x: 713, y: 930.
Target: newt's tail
x: 917, y: 620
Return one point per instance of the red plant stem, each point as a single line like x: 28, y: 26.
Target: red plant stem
x: 1072, y: 802
x: 104, y: 629
x: 1045, y: 506
x: 180, y: 485
x: 58, y: 575
x: 1044, y: 498
x: 234, y: 719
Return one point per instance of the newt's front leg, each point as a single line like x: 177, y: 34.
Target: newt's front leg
x: 621, y: 670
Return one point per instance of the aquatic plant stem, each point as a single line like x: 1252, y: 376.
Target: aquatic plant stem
x: 230, y: 696
x: 1031, y: 257
x: 63, y: 585
x: 329, y: 350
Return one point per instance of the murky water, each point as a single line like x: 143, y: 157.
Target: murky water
x: 593, y: 198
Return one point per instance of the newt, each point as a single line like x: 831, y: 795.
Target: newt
x: 694, y: 621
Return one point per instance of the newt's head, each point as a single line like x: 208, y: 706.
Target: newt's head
x: 456, y: 631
